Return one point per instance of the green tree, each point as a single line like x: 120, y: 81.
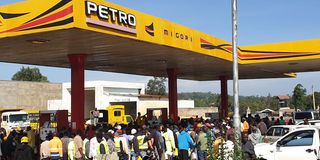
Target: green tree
x: 309, y: 100
x: 317, y: 98
x: 156, y: 86
x: 29, y: 74
x: 299, y: 97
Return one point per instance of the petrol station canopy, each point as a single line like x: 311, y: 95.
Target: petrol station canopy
x: 122, y: 40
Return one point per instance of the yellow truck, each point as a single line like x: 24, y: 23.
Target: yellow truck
x: 112, y: 115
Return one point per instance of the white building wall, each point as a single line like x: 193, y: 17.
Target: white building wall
x: 144, y: 104
x: 99, y: 97
x: 185, y: 103
x: 66, y: 97
x: 106, y: 100
x: 106, y: 92
x: 103, y: 97
x: 55, y: 104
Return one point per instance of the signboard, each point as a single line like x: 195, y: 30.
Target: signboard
x: 110, y: 17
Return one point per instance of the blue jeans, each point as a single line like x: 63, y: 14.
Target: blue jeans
x: 202, y: 155
x: 143, y: 154
x: 133, y: 156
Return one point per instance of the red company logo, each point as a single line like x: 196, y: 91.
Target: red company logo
x: 150, y: 29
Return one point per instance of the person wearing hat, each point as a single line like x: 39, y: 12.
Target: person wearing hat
x: 122, y: 146
x: 24, y: 151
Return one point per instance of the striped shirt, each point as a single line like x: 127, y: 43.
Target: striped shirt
x: 55, y: 146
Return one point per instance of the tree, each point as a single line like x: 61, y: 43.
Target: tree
x: 29, y: 74
x: 156, y: 86
x: 299, y: 97
x: 309, y: 100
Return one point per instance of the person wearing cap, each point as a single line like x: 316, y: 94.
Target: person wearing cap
x: 121, y: 144
x: 24, y: 151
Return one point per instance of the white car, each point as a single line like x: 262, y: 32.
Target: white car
x: 311, y: 122
x: 277, y: 131
x: 299, y: 116
x: 300, y: 144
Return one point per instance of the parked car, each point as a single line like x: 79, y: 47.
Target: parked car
x: 311, y: 122
x: 276, y: 132
x: 299, y: 144
x: 310, y: 115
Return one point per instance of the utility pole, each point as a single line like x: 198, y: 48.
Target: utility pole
x: 313, y: 99
x: 236, y: 116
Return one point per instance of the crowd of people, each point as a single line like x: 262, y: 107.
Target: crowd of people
x: 193, y: 138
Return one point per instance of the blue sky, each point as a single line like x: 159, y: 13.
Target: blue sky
x: 259, y: 22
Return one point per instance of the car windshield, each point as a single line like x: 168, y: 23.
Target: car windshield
x: 302, y: 115
x: 18, y: 117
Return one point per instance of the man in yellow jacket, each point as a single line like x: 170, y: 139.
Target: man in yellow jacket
x: 244, y: 125
x: 55, y: 147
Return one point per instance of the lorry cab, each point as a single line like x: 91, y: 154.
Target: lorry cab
x: 15, y: 119
x: 112, y: 115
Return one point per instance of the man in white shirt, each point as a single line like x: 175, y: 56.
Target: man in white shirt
x: 94, y: 144
x: 44, y: 148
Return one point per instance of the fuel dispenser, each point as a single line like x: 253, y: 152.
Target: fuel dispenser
x: 52, y: 121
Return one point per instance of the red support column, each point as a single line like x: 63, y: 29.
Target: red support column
x: 173, y: 93
x: 223, y: 112
x: 77, y: 62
